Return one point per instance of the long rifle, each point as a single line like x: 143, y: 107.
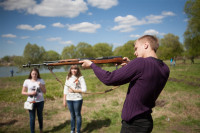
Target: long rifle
x: 100, y: 60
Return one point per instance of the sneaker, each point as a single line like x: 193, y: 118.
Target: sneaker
x: 72, y: 132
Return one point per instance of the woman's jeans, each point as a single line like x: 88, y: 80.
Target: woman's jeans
x: 39, y: 107
x: 75, y: 111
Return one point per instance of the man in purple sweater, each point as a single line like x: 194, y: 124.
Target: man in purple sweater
x: 146, y: 76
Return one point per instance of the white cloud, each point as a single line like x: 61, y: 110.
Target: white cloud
x: 59, y: 40
x: 10, y: 42
x: 25, y: 37
x: 17, y: 4
x: 123, y: 28
x: 84, y: 27
x: 103, y: 4
x: 62, y: 8
x: 58, y: 24
x: 127, y: 23
x: 9, y: 36
x: 29, y: 27
x: 154, y: 19
x: 89, y: 13
x: 66, y: 42
x: 151, y: 32
x: 168, y: 13
x: 48, y: 8
x: 186, y: 20
x: 54, y: 39
x: 135, y: 36
x: 148, y: 32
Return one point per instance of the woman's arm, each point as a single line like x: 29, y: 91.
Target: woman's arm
x: 64, y: 100
x: 24, y: 92
x: 83, y: 87
x: 41, y: 84
x: 43, y: 88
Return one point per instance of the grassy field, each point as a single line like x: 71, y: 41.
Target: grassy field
x: 177, y: 109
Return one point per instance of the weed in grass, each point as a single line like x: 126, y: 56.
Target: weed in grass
x: 115, y: 103
x: 190, y: 121
x: 160, y: 122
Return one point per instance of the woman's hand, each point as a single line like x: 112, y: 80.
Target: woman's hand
x: 64, y: 103
x: 64, y: 100
x: 71, y: 90
x: 32, y: 93
x: 42, y: 86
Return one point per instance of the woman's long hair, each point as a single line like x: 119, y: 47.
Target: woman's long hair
x: 78, y: 74
x: 34, y: 69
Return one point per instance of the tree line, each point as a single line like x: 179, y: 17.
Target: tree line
x: 170, y: 46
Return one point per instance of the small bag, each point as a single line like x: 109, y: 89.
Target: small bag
x: 28, y: 105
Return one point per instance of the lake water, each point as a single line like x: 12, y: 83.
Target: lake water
x: 6, y: 71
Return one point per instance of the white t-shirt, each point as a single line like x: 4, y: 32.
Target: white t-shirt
x: 32, y: 85
x: 72, y: 83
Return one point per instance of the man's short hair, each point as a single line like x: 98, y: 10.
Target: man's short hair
x: 153, y: 41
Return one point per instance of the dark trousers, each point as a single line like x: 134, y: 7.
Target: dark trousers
x: 39, y: 107
x: 142, y: 124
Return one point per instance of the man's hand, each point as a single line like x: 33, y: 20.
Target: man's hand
x: 125, y: 59
x: 86, y: 63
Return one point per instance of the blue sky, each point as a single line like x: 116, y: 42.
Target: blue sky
x: 55, y: 24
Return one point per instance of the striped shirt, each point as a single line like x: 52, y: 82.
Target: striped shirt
x: 146, y: 77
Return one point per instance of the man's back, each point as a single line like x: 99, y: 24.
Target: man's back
x: 145, y: 86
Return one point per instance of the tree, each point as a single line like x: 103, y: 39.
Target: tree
x: 6, y: 59
x: 19, y: 61
x: 51, y: 55
x: 33, y: 53
x: 69, y: 52
x: 84, y: 50
x: 127, y: 50
x: 192, y: 33
x: 103, y: 49
x: 170, y: 47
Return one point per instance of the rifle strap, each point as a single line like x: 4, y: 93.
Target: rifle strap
x: 56, y: 77
x: 106, y: 91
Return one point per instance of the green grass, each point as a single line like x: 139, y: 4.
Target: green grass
x: 177, y: 111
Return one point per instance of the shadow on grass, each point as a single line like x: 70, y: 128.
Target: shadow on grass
x: 8, y: 123
x: 59, y: 127
x: 96, y: 124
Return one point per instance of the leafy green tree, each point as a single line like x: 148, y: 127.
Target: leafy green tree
x: 127, y: 50
x: 170, y: 47
x: 192, y: 33
x: 51, y: 55
x: 19, y: 61
x: 69, y: 52
x: 85, y: 50
x: 103, y: 49
x: 6, y: 59
x: 33, y: 53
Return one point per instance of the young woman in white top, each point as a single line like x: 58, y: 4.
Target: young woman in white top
x: 74, y: 86
x: 34, y: 88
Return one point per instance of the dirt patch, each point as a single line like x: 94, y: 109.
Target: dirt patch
x: 185, y: 82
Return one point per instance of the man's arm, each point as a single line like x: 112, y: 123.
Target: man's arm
x: 118, y: 77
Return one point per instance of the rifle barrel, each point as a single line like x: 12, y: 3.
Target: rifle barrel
x: 99, y: 60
